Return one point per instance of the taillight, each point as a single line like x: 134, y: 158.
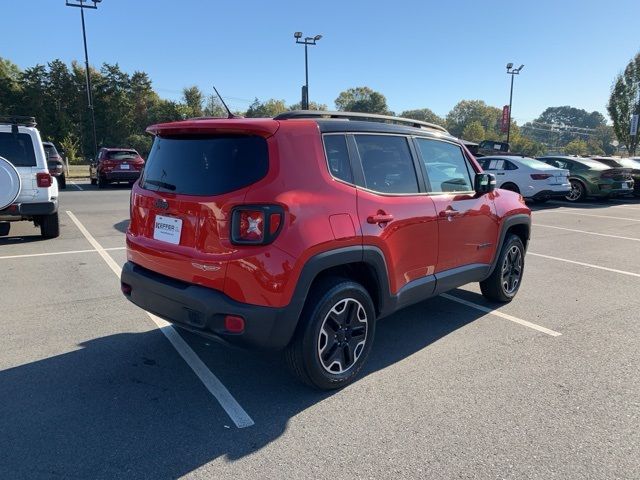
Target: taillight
x: 108, y: 163
x: 541, y: 176
x: 44, y: 180
x: 256, y: 224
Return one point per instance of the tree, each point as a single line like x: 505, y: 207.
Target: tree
x: 312, y: 106
x: 194, y: 99
x: 576, y: 147
x: 467, y: 111
x: 362, y: 99
x: 424, y: 115
x: 215, y: 108
x: 625, y: 101
x: 571, y: 116
x: 10, y: 87
x: 474, y: 132
x: 268, y: 109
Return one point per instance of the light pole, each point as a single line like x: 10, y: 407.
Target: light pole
x: 82, y: 4
x: 306, y: 42
x: 511, y: 71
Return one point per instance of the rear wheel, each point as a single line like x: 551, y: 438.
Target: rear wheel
x: 512, y: 187
x: 504, y: 282
x: 94, y: 181
x: 62, y: 182
x: 50, y: 226
x: 334, y: 336
x: 102, y: 182
x: 578, y: 191
x: 4, y: 228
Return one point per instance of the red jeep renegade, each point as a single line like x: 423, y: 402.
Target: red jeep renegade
x: 299, y: 232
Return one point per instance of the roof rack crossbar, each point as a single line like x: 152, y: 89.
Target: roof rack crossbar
x: 358, y: 116
x: 18, y: 120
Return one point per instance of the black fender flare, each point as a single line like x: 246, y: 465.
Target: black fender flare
x: 507, y: 223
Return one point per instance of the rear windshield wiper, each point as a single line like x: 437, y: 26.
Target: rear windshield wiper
x: 158, y: 183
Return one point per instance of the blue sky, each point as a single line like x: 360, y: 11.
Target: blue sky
x: 417, y: 53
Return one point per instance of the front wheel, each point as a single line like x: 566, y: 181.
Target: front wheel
x: 334, y: 336
x: 578, y: 191
x: 504, y: 282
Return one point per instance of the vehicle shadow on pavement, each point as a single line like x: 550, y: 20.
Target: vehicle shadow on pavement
x: 589, y: 204
x: 126, y: 406
x: 21, y: 239
x: 122, y: 226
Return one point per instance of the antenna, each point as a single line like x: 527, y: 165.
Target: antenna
x: 231, y: 115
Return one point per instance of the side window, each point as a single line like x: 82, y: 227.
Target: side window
x: 509, y: 165
x: 338, y: 157
x: 446, y: 166
x: 485, y: 163
x: 387, y: 163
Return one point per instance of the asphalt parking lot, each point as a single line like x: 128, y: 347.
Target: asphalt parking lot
x: 545, y: 387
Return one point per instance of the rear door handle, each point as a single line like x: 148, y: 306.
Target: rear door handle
x: 448, y: 213
x: 379, y: 217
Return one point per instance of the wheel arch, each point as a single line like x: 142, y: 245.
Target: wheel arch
x: 520, y: 225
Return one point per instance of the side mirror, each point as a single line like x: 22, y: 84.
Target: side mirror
x: 484, y: 183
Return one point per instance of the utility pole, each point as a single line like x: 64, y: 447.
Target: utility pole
x: 305, y: 89
x: 511, y: 71
x: 82, y: 4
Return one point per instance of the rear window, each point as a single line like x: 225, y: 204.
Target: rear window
x: 205, y: 165
x: 18, y: 149
x: 121, y: 155
x: 50, y: 150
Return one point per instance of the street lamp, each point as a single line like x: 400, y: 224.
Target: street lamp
x: 306, y: 42
x: 82, y: 4
x: 511, y: 71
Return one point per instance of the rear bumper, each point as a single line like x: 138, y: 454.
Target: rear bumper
x: 550, y: 194
x: 30, y: 209
x: 122, y: 176
x: 202, y: 310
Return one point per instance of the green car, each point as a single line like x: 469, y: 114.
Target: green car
x: 631, y: 163
x: 590, y: 178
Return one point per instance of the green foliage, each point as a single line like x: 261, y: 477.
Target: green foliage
x: 69, y: 145
x: 193, y: 99
x: 468, y: 111
x: 362, y: 99
x: 312, y: 106
x: 425, y: 115
x: 576, y: 147
x: 474, y: 132
x: 625, y: 101
x: 526, y: 146
x: 215, y: 108
x: 268, y: 109
x: 141, y: 143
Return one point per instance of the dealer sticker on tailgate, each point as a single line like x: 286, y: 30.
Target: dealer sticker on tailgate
x: 167, y: 229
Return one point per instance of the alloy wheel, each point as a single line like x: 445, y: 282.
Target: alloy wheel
x: 511, y: 270
x: 343, y: 335
x: 575, y: 193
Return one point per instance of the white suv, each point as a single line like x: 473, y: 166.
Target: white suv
x: 27, y: 190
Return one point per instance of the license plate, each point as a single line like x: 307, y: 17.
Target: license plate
x: 167, y: 229
x: 625, y: 185
x: 124, y: 166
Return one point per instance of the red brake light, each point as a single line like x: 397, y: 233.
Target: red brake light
x: 541, y: 176
x: 256, y: 224
x: 44, y: 180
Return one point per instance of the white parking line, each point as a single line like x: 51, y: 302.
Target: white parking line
x: 622, y: 272
x: 565, y: 212
x: 598, y: 206
x: 77, y: 186
x: 506, y: 316
x: 237, y: 414
x: 91, y: 250
x: 586, y: 232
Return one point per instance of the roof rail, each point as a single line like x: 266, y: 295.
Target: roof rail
x: 358, y: 116
x: 18, y: 120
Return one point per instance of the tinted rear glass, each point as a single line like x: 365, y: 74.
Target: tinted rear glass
x: 50, y: 150
x: 18, y: 149
x: 121, y: 155
x: 205, y: 165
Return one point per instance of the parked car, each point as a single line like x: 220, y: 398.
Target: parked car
x: 634, y: 165
x: 298, y: 232
x: 55, y: 164
x: 529, y: 177
x: 491, y: 147
x: 590, y: 178
x: 27, y: 189
x: 115, y: 165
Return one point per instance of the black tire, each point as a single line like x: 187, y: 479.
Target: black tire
x: 335, y: 306
x: 50, y: 226
x: 102, y: 182
x: 578, y: 191
x: 62, y: 182
x: 94, y: 181
x: 494, y: 288
x: 5, y: 227
x: 512, y: 187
